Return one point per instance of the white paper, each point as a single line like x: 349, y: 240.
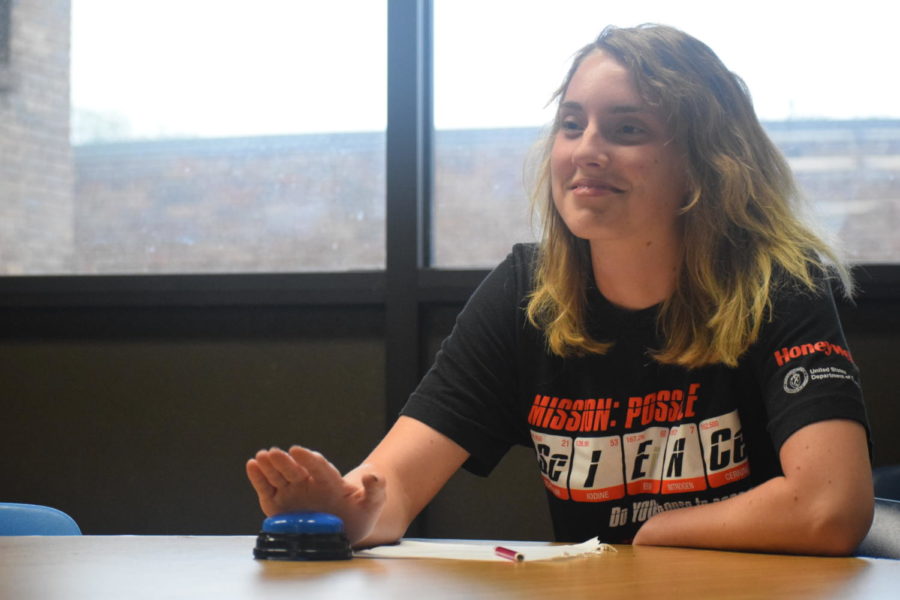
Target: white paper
x: 482, y: 550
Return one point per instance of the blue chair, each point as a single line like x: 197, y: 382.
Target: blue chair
x: 883, y: 539
x: 31, y: 519
x: 887, y: 482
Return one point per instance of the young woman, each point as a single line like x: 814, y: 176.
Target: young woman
x: 671, y: 348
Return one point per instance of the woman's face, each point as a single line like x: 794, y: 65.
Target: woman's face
x: 615, y: 172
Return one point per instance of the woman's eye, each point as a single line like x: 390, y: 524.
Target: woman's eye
x: 631, y: 130
x: 570, y: 125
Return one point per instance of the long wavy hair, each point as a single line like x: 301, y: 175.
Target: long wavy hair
x: 742, y: 225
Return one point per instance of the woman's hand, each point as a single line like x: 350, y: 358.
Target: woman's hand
x: 303, y: 480
x: 378, y: 499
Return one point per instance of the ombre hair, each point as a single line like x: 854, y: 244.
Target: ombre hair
x: 743, y: 232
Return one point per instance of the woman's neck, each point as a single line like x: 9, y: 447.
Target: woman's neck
x: 636, y: 274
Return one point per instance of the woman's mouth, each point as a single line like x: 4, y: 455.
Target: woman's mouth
x: 593, y: 187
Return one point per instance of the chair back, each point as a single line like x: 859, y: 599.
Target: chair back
x: 32, y: 519
x: 887, y: 482
x: 883, y: 539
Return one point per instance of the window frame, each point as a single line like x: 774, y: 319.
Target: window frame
x: 6, y: 45
x: 406, y: 284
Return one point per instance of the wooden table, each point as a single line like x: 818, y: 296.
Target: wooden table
x: 133, y: 568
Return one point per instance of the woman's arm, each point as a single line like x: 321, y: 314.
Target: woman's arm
x: 378, y: 499
x: 822, y: 505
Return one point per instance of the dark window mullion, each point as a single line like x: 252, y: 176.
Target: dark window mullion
x: 5, y: 30
x: 408, y: 185
x: 426, y: 132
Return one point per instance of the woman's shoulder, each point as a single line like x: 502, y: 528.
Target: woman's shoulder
x: 803, y: 312
x: 820, y: 286
x: 526, y: 253
x: 519, y: 264
x: 511, y: 280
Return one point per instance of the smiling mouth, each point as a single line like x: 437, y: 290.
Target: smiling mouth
x: 587, y: 188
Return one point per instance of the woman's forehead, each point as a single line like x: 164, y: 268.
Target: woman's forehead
x: 601, y: 81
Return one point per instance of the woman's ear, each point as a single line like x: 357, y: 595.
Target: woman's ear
x: 691, y: 194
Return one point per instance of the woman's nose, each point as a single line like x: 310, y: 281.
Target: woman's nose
x: 592, y: 149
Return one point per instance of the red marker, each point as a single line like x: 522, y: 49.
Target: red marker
x: 508, y: 554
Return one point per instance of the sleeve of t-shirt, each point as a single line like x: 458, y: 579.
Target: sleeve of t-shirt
x: 806, y: 368
x: 468, y: 394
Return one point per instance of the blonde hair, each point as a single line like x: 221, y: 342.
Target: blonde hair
x: 744, y: 236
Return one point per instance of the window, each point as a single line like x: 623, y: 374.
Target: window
x: 203, y: 136
x: 830, y: 105
x: 242, y: 136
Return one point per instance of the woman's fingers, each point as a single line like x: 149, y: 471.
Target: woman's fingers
x: 258, y: 479
x: 272, y: 474
x: 322, y: 472
x: 285, y: 464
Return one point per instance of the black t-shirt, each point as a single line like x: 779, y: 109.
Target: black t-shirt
x: 620, y: 437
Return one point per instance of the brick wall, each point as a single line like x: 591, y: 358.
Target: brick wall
x: 291, y: 203
x: 313, y: 202
x: 35, y: 158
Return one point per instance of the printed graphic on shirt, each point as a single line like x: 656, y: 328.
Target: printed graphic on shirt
x: 723, y: 449
x: 601, y: 414
x: 554, y: 453
x: 597, y: 469
x: 798, y: 377
x: 565, y: 414
x: 795, y: 380
x: 687, y: 457
x: 683, y: 468
x: 663, y: 406
x: 643, y: 460
x: 786, y: 355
